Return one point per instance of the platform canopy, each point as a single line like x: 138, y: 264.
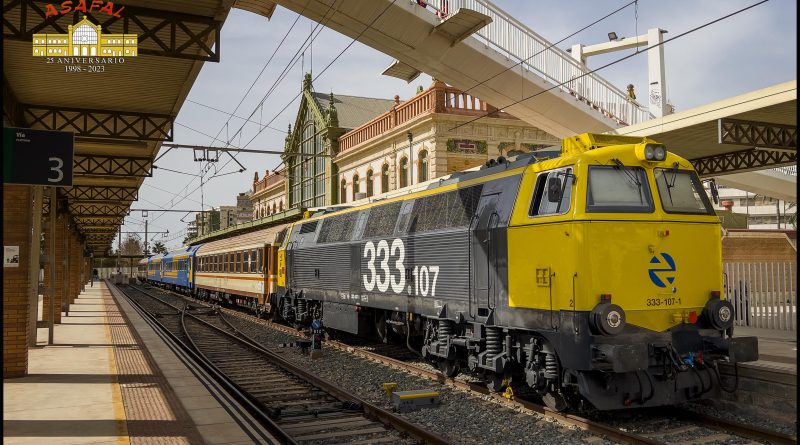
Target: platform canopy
x: 751, y: 131
x: 118, y: 96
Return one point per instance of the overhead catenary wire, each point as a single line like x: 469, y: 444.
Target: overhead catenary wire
x: 283, y: 74
x: 355, y: 39
x: 614, y: 62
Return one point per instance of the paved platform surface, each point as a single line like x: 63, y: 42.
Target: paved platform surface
x: 777, y: 349
x: 109, y: 379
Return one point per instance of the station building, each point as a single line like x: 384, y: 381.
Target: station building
x: 345, y: 148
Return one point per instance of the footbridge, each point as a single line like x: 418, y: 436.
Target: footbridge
x: 477, y: 47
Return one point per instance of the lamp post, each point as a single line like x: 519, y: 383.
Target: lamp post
x: 410, y: 158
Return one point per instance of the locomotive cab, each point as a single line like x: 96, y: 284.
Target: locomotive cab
x: 626, y: 253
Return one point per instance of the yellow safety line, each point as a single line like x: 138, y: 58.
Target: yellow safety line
x: 116, y: 394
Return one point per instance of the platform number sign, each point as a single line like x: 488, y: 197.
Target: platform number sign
x: 37, y: 157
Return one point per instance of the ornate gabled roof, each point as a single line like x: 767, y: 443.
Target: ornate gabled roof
x: 353, y: 111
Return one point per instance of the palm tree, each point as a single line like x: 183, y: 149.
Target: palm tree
x: 158, y: 247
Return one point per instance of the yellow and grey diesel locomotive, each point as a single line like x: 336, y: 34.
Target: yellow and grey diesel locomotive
x: 595, y: 275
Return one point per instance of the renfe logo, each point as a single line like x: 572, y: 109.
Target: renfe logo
x: 667, y: 269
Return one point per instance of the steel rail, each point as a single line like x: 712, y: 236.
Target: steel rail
x: 232, y: 389
x: 385, y: 417
x: 744, y: 430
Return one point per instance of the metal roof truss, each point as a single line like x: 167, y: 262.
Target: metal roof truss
x: 743, y: 160
x: 99, y: 123
x: 98, y: 165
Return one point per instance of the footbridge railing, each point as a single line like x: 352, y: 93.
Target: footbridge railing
x: 518, y: 42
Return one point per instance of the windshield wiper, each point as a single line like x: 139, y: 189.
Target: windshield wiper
x: 618, y: 165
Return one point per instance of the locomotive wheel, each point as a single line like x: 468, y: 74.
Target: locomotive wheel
x: 495, y: 382
x: 555, y: 401
x: 449, y: 368
x: 380, y: 327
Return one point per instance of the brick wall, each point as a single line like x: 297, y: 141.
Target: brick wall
x: 757, y: 246
x: 74, y: 265
x: 61, y: 228
x: 16, y: 232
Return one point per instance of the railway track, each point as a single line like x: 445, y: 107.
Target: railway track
x: 673, y: 426
x: 299, y: 407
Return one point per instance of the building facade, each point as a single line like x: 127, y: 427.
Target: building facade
x: 757, y: 211
x: 359, y: 151
x: 244, y: 207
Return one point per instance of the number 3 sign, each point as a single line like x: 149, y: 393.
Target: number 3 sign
x: 37, y: 157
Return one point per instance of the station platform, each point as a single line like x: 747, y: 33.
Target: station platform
x: 111, y: 379
x: 777, y: 349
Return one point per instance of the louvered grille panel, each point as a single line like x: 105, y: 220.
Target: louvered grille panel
x: 333, y: 263
x: 445, y: 210
x: 308, y: 227
x: 337, y: 228
x: 382, y: 220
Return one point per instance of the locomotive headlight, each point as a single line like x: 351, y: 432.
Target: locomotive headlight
x: 648, y: 152
x: 719, y: 313
x: 607, y: 319
x: 651, y: 152
x: 659, y: 152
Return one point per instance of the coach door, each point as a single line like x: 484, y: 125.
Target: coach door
x: 484, y: 257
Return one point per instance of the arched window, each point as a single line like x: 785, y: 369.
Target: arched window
x: 369, y: 183
x: 355, y: 186
x: 385, y: 178
x: 280, y: 206
x: 423, y: 166
x: 343, y: 192
x: 273, y: 208
x: 403, y: 172
x: 84, y: 35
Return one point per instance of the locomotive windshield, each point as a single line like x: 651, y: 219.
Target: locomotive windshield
x: 618, y: 189
x: 680, y: 192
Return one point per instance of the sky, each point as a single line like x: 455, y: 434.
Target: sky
x: 752, y: 50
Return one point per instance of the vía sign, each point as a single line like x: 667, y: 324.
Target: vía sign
x: 81, y: 6
x: 37, y: 157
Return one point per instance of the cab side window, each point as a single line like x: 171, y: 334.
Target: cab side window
x: 553, y: 193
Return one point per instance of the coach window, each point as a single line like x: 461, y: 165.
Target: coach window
x: 560, y: 181
x: 259, y: 260
x: 253, y: 257
x: 246, y: 261
x: 238, y: 261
